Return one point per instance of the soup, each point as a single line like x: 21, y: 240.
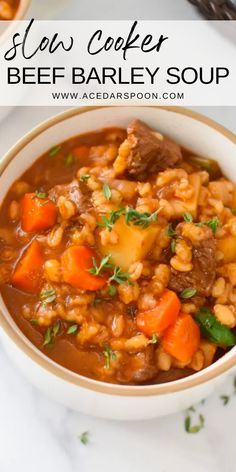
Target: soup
x: 118, y: 256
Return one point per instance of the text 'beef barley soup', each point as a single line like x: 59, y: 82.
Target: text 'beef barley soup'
x: 118, y: 256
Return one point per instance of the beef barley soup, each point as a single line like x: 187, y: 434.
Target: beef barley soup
x: 118, y: 256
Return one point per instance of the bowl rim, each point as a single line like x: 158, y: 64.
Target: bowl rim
x: 13, y: 332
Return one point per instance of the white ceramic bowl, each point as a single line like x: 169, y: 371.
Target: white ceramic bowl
x: 193, y: 131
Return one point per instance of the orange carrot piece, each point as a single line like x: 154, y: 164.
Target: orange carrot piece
x: 159, y: 318
x: 37, y: 214
x: 28, y: 272
x: 76, y: 260
x: 182, y: 339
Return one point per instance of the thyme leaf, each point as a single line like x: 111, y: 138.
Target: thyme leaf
x: 225, y: 399
x: 154, y: 339
x: 188, y: 293
x: 84, y: 438
x: 109, y: 221
x: 73, y: 329
x: 140, y: 219
x: 188, y: 218
x: 119, y: 276
x: 112, y: 290
x: 84, y: 177
x: 189, y: 428
x: 40, y: 194
x: 51, y: 333
x: 54, y: 151
x: 96, y: 270
x: 173, y: 245
x: 170, y: 231
x: 109, y: 355
x: 107, y: 191
x: 48, y: 296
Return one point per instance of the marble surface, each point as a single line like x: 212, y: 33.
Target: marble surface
x: 37, y: 434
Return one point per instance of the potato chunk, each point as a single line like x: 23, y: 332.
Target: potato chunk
x: 227, y: 246
x: 133, y: 244
x: 182, y: 206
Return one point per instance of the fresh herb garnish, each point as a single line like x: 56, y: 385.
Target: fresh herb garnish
x: 211, y: 166
x: 196, y: 428
x: 97, y: 301
x: 225, y: 399
x: 188, y: 293
x: 96, y: 270
x: 108, y: 222
x: 154, y: 339
x: 54, y: 151
x: 56, y: 328
x: 51, y: 333
x: 109, y: 356
x: 212, y: 224
x: 173, y: 245
x: 73, y: 329
x: 69, y: 160
x: 111, y: 290
x: 85, y: 177
x: 140, y: 219
x: 131, y: 216
x: 84, y: 438
x: 170, y: 231
x: 48, y: 296
x: 119, y: 276
x: 192, y: 408
x: 34, y: 321
x: 188, y: 217
x: 40, y: 194
x: 107, y: 191
x: 48, y: 337
x: 212, y: 329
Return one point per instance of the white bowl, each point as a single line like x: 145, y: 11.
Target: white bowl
x: 191, y: 130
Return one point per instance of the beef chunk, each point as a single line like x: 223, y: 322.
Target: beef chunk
x: 72, y: 192
x: 140, y: 368
x: 149, y: 153
x: 203, y: 274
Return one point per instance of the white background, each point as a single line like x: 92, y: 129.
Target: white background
x: 37, y: 434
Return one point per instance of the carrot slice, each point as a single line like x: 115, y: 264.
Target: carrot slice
x: 182, y: 339
x: 28, y: 272
x: 37, y: 213
x: 76, y: 261
x: 159, y: 318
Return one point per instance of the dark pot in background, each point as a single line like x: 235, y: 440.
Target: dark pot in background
x: 216, y: 9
